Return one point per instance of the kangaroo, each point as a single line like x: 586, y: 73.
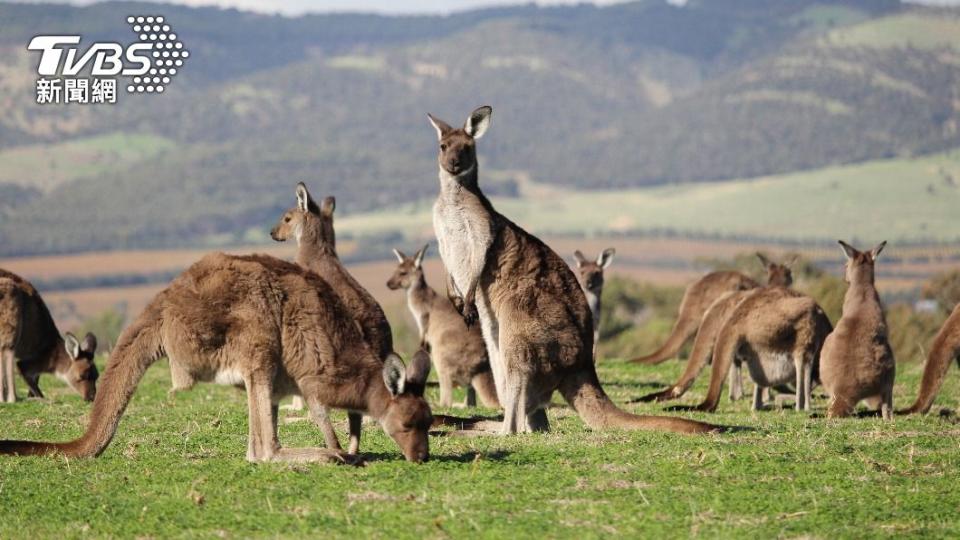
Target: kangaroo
x: 696, y: 300
x: 778, y: 334
x: 29, y: 338
x: 857, y: 362
x: 458, y: 351
x: 534, y: 317
x: 778, y: 275
x: 591, y: 279
x: 945, y: 349
x: 274, y: 328
x: 312, y: 228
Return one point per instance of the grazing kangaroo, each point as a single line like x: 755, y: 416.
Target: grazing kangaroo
x: 696, y: 300
x: 458, y: 351
x: 778, y: 275
x: 857, y: 362
x: 275, y: 329
x: 591, y: 279
x: 778, y: 334
x: 29, y: 338
x: 534, y: 316
x: 945, y: 349
x: 312, y: 228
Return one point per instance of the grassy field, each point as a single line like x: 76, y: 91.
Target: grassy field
x: 176, y: 469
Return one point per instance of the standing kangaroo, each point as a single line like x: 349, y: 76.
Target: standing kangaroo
x: 778, y: 334
x: 945, y: 349
x: 457, y: 350
x: 857, y: 362
x: 696, y: 300
x: 312, y: 228
x: 272, y: 327
x: 534, y: 316
x: 591, y: 279
x: 29, y: 338
x: 778, y: 275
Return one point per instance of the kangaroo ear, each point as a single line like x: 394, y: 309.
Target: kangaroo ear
x: 303, y: 197
x: 791, y: 260
x: 393, y: 374
x: 72, y: 345
x: 478, y: 122
x: 849, y: 251
x: 763, y: 260
x: 89, y: 343
x: 876, y: 251
x: 399, y: 254
x: 417, y: 373
x: 442, y: 127
x: 328, y: 206
x: 606, y: 257
x: 418, y: 260
x: 579, y: 258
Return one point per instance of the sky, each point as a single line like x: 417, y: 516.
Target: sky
x: 297, y: 7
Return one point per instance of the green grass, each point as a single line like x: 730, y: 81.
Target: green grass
x: 176, y: 469
x: 45, y: 166
x: 901, y: 199
x: 923, y: 31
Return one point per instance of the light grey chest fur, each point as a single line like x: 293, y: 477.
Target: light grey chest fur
x: 463, y: 235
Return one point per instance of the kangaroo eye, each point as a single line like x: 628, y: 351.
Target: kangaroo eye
x: 286, y: 219
x: 443, y: 147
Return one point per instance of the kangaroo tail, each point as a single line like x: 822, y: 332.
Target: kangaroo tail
x: 138, y: 347
x: 945, y: 349
x: 584, y: 393
x: 683, y: 330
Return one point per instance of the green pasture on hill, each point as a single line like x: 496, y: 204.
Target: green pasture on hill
x: 176, y: 469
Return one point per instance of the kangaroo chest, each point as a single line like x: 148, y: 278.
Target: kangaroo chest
x: 464, y: 232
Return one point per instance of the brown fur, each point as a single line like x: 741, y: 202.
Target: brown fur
x: 778, y: 334
x: 857, y: 362
x: 945, y: 349
x: 709, y: 329
x: 29, y: 338
x: 591, y: 280
x: 312, y: 228
x: 535, y: 319
x: 273, y: 327
x: 458, y: 351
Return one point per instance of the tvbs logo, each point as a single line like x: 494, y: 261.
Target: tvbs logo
x: 149, y: 65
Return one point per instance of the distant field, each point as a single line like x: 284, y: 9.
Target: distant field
x: 898, y: 200
x: 924, y: 31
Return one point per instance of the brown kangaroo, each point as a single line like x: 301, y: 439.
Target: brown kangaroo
x: 272, y: 327
x: 945, y: 349
x: 696, y: 300
x: 857, y: 362
x: 458, y: 351
x: 778, y: 275
x: 591, y: 279
x: 312, y: 228
x: 778, y: 334
x: 534, y: 316
x: 29, y: 338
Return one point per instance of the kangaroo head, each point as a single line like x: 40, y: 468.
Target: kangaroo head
x: 307, y: 219
x: 82, y: 373
x: 591, y: 272
x: 458, y: 151
x: 408, y: 271
x: 860, y: 264
x: 778, y: 274
x: 407, y: 418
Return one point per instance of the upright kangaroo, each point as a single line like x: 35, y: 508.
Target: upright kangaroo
x: 778, y: 334
x: 272, y: 327
x: 945, y: 349
x: 696, y: 300
x: 857, y: 362
x: 591, y: 279
x: 534, y: 316
x: 29, y: 338
x: 778, y: 275
x: 458, y: 351
x: 312, y: 227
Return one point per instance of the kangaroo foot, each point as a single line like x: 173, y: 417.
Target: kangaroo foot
x: 663, y: 395
x: 317, y: 455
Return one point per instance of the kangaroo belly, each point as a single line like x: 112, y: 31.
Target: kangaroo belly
x: 462, y: 240
x: 772, y: 368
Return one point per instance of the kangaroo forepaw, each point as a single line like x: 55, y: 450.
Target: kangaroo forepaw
x: 470, y: 315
